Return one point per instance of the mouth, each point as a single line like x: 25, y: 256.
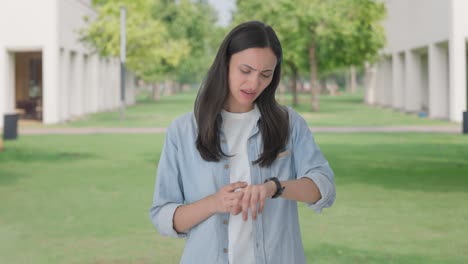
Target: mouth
x: 248, y: 92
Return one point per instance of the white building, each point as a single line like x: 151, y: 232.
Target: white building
x: 424, y: 65
x: 45, y: 72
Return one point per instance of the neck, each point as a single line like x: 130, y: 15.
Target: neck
x: 239, y: 108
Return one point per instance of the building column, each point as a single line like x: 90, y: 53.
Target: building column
x: 438, y: 82
x: 457, y: 61
x: 370, y: 83
x: 112, y: 85
x: 72, y: 85
x: 103, y: 87
x: 424, y: 80
x: 7, y: 83
x: 3, y: 82
x: 457, y: 92
x: 388, y: 82
x: 413, y: 87
x: 51, y: 84
x: 108, y: 93
x: 115, y: 83
x: 78, y: 86
x: 94, y: 82
x: 100, y: 90
x: 86, y: 92
x: 398, y: 81
x: 103, y: 82
x: 380, y: 83
x: 64, y: 107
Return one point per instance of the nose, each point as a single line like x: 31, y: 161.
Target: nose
x: 255, y: 81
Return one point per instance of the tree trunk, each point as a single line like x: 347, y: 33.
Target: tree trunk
x: 348, y: 81
x: 293, y: 83
x: 185, y: 87
x: 178, y: 87
x: 156, y: 92
x: 281, y: 89
x: 315, y: 106
x: 322, y: 84
x: 353, y: 80
x: 294, y: 88
x: 168, y: 87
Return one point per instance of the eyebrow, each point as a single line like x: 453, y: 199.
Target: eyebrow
x: 254, y: 68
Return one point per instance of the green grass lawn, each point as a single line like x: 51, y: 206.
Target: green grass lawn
x: 401, y: 198
x: 349, y: 110
x: 344, y: 110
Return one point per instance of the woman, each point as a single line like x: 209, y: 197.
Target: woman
x: 231, y: 173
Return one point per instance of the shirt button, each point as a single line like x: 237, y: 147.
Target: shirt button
x: 225, y: 250
x: 225, y: 222
x: 226, y: 166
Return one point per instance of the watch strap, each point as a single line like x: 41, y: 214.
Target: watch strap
x: 279, y: 188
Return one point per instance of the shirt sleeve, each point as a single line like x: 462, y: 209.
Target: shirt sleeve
x: 311, y: 163
x: 168, y: 193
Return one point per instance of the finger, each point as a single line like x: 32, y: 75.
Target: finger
x: 262, y: 201
x: 261, y: 205
x: 235, y: 210
x: 253, y: 205
x: 236, y: 195
x: 236, y: 185
x: 245, y: 205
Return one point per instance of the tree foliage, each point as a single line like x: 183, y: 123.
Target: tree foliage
x: 165, y: 38
x: 321, y: 36
x: 194, y: 22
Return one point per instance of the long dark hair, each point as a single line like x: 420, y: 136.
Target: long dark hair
x: 214, y: 91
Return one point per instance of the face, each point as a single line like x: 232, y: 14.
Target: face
x: 250, y: 72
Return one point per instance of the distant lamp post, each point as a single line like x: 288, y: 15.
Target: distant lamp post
x: 123, y: 13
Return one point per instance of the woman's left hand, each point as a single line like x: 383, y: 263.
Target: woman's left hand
x: 256, y: 194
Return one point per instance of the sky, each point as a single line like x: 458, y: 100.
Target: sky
x: 224, y: 8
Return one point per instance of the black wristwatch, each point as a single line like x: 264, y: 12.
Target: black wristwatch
x: 279, y: 189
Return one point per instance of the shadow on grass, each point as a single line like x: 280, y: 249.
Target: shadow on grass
x: 8, y: 175
x: 14, y: 157
x: 326, y: 109
x: 424, y: 167
x: 182, y: 99
x: 33, y: 155
x: 326, y: 253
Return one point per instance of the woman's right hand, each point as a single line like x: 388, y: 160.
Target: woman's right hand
x: 227, y: 200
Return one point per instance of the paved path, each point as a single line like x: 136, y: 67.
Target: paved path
x: 158, y: 130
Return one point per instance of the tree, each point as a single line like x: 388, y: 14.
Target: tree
x: 167, y: 39
x: 280, y: 15
x: 330, y: 34
x: 195, y: 22
x: 150, y: 49
x: 342, y: 33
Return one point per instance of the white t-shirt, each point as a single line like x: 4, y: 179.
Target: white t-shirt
x: 237, y: 128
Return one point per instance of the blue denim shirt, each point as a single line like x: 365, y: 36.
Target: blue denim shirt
x: 183, y: 177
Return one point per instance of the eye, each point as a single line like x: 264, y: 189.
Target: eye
x: 266, y: 76
x: 245, y: 71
